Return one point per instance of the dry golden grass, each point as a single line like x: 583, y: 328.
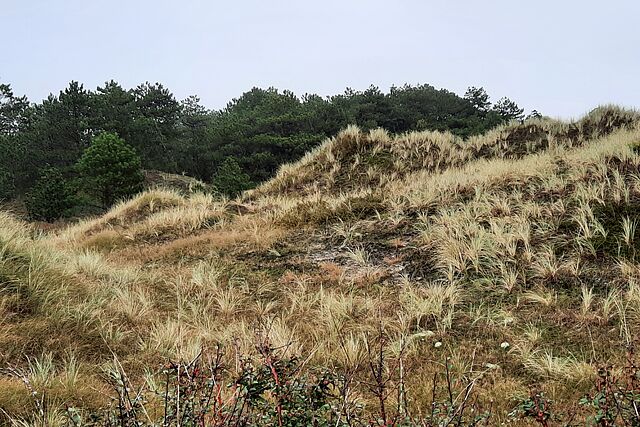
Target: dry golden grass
x: 498, y: 251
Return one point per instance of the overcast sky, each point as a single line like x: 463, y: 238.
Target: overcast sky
x: 560, y: 57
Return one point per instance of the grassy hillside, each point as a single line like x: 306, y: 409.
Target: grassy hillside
x: 499, y: 264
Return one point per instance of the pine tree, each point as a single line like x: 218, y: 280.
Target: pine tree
x: 111, y: 168
x: 508, y: 110
x: 230, y: 179
x: 51, y: 197
x: 478, y: 97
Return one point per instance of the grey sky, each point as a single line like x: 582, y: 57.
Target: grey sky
x: 561, y: 57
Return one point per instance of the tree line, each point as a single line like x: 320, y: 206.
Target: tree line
x: 235, y: 147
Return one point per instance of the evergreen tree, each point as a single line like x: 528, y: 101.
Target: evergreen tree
x: 261, y: 130
x: 111, y: 168
x: 7, y: 187
x: 230, y: 179
x: 113, y: 110
x: 535, y: 114
x: 13, y: 111
x: 478, y: 97
x: 154, y: 132
x: 51, y: 197
x: 508, y: 110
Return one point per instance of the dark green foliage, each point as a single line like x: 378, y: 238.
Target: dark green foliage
x: 534, y: 115
x: 13, y: 111
x: 14, y: 116
x: 504, y: 110
x: 478, y: 97
x: 154, y: 131
x: 261, y: 130
x: 509, y: 110
x: 425, y: 108
x: 230, y: 179
x: 111, y: 168
x: 51, y: 197
x: 7, y: 167
x: 60, y: 130
x: 7, y: 188
x: 114, y: 110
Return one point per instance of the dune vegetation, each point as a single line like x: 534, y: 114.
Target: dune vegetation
x: 410, y: 279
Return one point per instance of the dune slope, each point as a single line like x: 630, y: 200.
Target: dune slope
x: 513, y: 254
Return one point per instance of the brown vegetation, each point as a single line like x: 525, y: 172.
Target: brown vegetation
x: 512, y: 254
